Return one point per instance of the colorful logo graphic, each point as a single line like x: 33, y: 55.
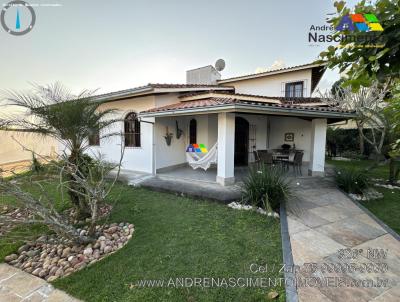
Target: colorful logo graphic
x: 17, y: 18
x: 198, y: 148
x: 366, y: 22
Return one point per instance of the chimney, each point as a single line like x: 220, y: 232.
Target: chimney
x: 204, y: 75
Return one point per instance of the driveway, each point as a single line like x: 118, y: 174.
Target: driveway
x: 354, y: 258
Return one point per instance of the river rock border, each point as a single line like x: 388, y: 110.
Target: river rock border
x: 51, y: 258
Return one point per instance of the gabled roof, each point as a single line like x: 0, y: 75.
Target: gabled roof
x: 155, y: 88
x: 272, y: 72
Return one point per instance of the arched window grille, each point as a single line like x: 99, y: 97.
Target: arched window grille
x: 132, y: 130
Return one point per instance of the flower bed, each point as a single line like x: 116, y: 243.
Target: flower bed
x: 51, y: 257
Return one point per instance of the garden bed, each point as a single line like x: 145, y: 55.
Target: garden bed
x: 51, y: 257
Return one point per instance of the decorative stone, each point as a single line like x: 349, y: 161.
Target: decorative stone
x: 88, y: 251
x: 32, y: 254
x: 107, y: 249
x: 112, y: 229
x: 59, y: 272
x: 11, y: 257
x: 272, y: 295
x: 23, y: 248
x: 37, y: 271
x: 52, y: 278
x: 66, y: 252
x: 96, y: 254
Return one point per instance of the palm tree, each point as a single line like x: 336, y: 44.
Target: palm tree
x: 52, y: 110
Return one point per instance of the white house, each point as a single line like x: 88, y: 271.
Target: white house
x: 240, y: 115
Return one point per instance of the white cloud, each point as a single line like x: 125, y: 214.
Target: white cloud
x: 277, y: 64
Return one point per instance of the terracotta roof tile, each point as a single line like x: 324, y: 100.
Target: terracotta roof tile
x: 289, y: 100
x: 210, y: 102
x: 162, y: 85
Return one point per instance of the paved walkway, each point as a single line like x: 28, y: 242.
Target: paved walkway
x: 322, y: 220
x: 16, y: 285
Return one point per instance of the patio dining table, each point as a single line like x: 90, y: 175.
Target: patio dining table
x: 280, y: 156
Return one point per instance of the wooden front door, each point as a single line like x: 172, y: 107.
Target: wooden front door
x: 241, y: 141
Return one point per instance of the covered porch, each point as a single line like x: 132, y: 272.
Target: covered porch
x: 238, y: 128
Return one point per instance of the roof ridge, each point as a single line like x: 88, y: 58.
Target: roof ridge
x: 271, y: 71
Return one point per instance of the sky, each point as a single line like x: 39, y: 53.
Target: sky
x: 120, y: 44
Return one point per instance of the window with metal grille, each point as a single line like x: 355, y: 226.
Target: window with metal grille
x: 193, y: 131
x: 294, y: 89
x: 132, y: 130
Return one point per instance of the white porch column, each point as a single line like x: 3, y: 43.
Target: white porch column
x: 226, y: 149
x: 318, y: 141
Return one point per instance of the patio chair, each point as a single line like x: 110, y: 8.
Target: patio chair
x: 256, y: 157
x: 266, y: 157
x: 295, y: 159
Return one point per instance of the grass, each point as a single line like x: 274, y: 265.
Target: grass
x: 16, y: 237
x: 178, y: 237
x: 386, y: 209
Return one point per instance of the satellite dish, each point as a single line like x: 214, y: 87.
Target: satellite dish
x: 220, y: 65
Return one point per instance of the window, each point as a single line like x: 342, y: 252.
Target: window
x: 94, y: 137
x: 193, y: 132
x: 132, y: 130
x: 294, y: 89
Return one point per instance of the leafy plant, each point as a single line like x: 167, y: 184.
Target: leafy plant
x: 36, y: 166
x: 352, y: 179
x: 266, y: 185
x: 366, y: 64
x: 54, y: 111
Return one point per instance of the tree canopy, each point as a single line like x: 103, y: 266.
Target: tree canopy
x: 377, y: 58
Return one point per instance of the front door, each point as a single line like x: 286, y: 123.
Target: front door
x: 241, y: 141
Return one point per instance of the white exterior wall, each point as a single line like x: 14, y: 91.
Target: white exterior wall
x: 318, y: 141
x: 135, y: 158
x: 273, y: 85
x: 173, y: 154
x: 301, y: 129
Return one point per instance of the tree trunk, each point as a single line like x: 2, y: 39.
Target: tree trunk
x: 361, y: 140
x: 392, y: 172
x: 78, y: 201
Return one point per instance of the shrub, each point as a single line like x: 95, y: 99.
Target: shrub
x: 266, y: 186
x: 352, y: 180
x: 36, y: 166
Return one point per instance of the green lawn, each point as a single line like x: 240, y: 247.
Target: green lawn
x: 178, y: 237
x: 15, y: 238
x: 388, y: 208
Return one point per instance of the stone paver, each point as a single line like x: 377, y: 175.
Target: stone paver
x: 321, y: 221
x: 19, y: 286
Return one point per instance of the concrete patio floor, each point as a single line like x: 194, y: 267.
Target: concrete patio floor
x: 196, y: 183
x: 322, y: 220
x: 17, y: 285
